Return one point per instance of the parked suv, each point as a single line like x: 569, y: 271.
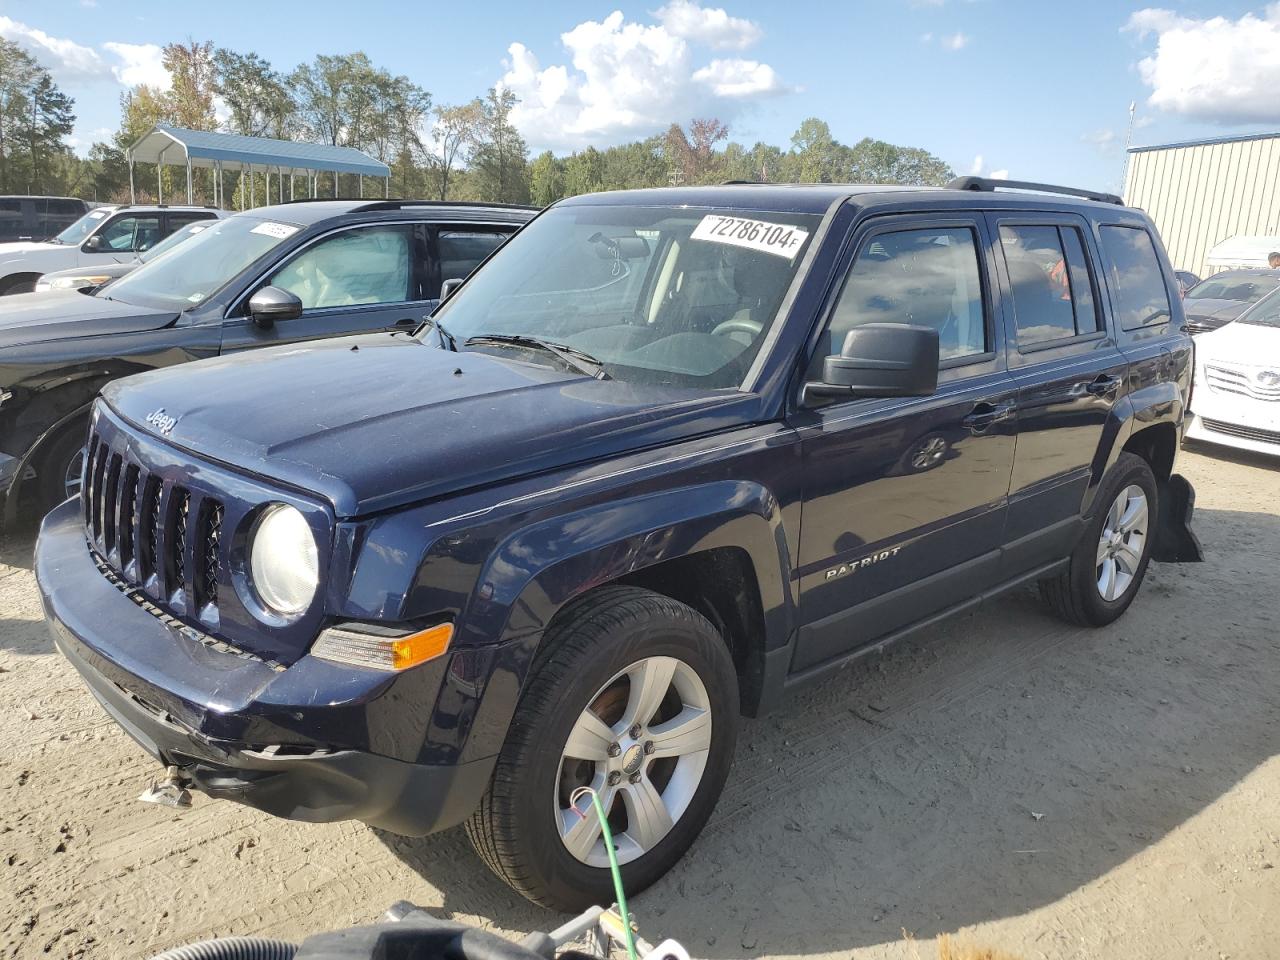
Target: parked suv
x: 34, y: 218
x: 666, y: 457
x: 107, y: 234
x: 268, y: 276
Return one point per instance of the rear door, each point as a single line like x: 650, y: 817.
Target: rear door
x: 177, y: 219
x: 457, y: 249
x: 1069, y: 373
x: 358, y: 279
x: 905, y: 499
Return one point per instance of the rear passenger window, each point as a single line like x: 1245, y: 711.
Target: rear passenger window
x: 1141, y: 295
x: 928, y: 277
x: 461, y: 251
x: 1050, y: 281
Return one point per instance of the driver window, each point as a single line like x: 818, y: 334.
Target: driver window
x: 365, y: 265
x: 130, y: 234
x: 925, y: 277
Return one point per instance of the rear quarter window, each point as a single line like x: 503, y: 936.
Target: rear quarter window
x: 1137, y: 280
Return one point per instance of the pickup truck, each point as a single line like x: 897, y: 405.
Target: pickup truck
x: 667, y: 456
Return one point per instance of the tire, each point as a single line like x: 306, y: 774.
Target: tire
x: 584, y: 660
x: 23, y: 283
x: 1083, y: 594
x: 54, y: 465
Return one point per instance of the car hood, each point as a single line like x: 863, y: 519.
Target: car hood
x: 1245, y: 344
x: 374, y: 422
x: 112, y: 270
x: 1214, y: 308
x: 62, y: 314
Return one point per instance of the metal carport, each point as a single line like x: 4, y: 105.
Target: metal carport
x: 166, y: 145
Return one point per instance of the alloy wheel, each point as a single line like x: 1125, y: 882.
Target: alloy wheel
x: 73, y: 475
x: 642, y: 746
x: 1121, y: 544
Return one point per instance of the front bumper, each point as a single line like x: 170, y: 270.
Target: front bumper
x: 243, y: 729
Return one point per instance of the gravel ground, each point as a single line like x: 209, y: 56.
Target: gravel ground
x: 1044, y: 790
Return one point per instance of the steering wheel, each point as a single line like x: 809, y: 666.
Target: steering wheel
x: 738, y: 325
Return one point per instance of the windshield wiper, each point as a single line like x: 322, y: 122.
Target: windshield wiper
x: 447, y: 339
x: 571, y: 357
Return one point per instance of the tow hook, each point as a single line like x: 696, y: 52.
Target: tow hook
x: 170, y: 792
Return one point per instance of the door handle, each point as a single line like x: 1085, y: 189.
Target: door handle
x: 1102, y: 385
x: 985, y: 414
x: 407, y: 322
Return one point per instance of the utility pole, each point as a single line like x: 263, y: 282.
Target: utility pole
x: 1128, y: 139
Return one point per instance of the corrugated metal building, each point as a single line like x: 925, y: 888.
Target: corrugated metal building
x: 1202, y: 192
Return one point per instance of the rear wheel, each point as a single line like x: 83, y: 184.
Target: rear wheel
x: 1111, y: 559
x: 634, y: 697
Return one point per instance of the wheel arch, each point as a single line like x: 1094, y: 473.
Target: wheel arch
x: 725, y: 537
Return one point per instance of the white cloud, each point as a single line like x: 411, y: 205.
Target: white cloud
x: 1100, y: 138
x: 68, y: 61
x: 711, y: 26
x: 1216, y: 69
x: 979, y: 169
x: 948, y: 41
x: 139, y: 63
x: 626, y: 79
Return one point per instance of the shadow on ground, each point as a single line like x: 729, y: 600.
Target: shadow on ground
x: 981, y: 770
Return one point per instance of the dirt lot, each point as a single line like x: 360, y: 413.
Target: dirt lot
x: 1045, y: 790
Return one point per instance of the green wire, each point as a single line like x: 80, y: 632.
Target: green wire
x: 617, y: 875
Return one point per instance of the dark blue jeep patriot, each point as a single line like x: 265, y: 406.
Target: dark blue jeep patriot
x: 666, y: 456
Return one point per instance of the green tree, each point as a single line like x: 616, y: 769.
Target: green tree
x: 874, y: 161
x: 499, y: 157
x: 454, y: 130
x: 584, y: 172
x: 35, y: 116
x: 330, y: 96
x: 546, y: 179
x: 257, y: 97
x: 192, y: 84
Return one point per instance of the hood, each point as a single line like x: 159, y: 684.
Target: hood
x: 62, y: 314
x: 31, y: 253
x: 1211, y: 308
x: 112, y: 270
x: 374, y: 422
x: 1244, y: 344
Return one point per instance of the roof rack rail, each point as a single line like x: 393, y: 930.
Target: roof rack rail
x: 393, y: 204
x: 986, y: 184
x: 740, y: 183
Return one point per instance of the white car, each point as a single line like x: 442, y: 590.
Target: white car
x: 1235, y: 400
x: 110, y: 234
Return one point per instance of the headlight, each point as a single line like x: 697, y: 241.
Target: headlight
x: 283, y: 561
x: 76, y: 283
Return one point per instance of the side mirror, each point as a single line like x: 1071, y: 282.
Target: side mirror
x: 880, y: 360
x: 447, y: 288
x: 271, y: 304
x: 94, y: 243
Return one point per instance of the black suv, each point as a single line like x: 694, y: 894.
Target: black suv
x: 667, y: 456
x: 272, y: 275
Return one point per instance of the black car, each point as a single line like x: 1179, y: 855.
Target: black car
x: 273, y: 275
x: 1216, y: 301
x: 668, y: 456
x: 34, y: 218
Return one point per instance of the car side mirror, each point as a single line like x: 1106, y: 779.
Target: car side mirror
x: 880, y: 360
x: 447, y: 288
x: 271, y: 304
x: 94, y: 243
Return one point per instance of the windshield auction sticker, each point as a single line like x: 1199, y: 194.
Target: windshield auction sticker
x: 277, y: 230
x: 780, y: 239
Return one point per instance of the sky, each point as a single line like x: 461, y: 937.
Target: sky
x: 1024, y: 88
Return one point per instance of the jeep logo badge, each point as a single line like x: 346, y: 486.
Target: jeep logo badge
x: 161, y: 421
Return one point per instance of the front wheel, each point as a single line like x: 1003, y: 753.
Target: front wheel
x: 60, y: 468
x: 635, y: 697
x: 1110, y: 561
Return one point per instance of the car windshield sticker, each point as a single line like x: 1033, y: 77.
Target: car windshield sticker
x: 97, y: 214
x: 277, y: 230
x: 780, y: 239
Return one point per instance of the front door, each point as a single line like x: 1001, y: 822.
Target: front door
x: 122, y: 238
x: 906, y: 499
x: 361, y: 279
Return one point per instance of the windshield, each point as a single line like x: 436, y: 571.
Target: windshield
x: 172, y: 240
x: 1265, y: 313
x: 1244, y: 289
x: 202, y: 265
x: 76, y: 233
x: 665, y: 295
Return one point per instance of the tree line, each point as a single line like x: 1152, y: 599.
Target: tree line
x: 466, y: 151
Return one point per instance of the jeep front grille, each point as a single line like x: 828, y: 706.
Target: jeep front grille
x: 154, y: 533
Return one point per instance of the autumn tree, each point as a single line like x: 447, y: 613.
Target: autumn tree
x: 498, y: 156
x: 692, y: 155
x: 258, y: 100
x: 455, y: 129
